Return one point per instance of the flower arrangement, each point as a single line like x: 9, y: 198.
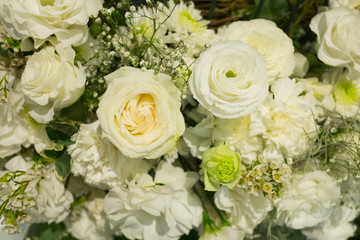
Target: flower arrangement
x: 141, y: 122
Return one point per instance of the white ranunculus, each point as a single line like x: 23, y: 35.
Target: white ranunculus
x: 51, y: 82
x: 337, y: 227
x: 140, y: 113
x: 162, y: 208
x: 245, y: 211
x: 60, y: 22
x: 338, y: 38
x: 229, y: 79
x: 53, y: 201
x: 309, y: 200
x: 100, y: 162
x: 269, y: 40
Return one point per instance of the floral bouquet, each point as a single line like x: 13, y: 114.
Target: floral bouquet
x: 123, y: 121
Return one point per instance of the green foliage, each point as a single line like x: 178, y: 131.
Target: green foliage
x: 271, y: 9
x: 62, y: 162
x: 44, y: 231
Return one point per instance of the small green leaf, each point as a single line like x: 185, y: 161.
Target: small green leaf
x: 44, y: 231
x: 61, y: 132
x: 62, y: 162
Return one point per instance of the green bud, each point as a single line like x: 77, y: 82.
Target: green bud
x: 220, y: 165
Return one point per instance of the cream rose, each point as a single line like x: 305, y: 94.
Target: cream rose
x: 63, y: 22
x: 51, y: 82
x: 269, y: 40
x: 229, y: 79
x: 140, y: 113
x: 338, y: 38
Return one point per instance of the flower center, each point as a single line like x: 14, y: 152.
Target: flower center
x: 139, y: 115
x: 225, y: 171
x: 346, y: 93
x: 47, y: 2
x: 230, y: 74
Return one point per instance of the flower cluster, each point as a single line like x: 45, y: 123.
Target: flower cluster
x: 143, y: 122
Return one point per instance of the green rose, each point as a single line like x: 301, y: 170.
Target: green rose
x: 220, y: 165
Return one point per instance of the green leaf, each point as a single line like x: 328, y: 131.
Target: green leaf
x: 44, y: 231
x: 62, y: 162
x: 76, y: 112
x: 3, y: 52
x: 61, y: 132
x: 271, y: 9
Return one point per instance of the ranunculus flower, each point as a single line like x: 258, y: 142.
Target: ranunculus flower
x: 140, y: 113
x: 60, y: 22
x: 229, y: 79
x: 221, y: 165
x: 51, y: 82
x: 269, y: 40
x: 338, y: 38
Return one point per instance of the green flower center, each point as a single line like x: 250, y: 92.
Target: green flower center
x: 47, y: 2
x: 346, y: 93
x: 230, y: 74
x: 225, y: 171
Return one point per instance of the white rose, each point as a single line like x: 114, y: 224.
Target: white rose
x: 338, y: 38
x: 51, y: 82
x: 140, y: 113
x: 269, y: 40
x: 245, y: 211
x: 309, y: 200
x: 229, y: 79
x: 63, y: 22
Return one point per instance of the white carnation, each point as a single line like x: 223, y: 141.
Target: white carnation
x: 164, y: 208
x: 53, y: 201
x: 337, y: 227
x: 51, y: 82
x: 309, y: 200
x: 245, y: 211
x: 90, y: 223
x: 99, y: 161
x: 14, y: 131
x: 287, y: 119
x: 224, y: 233
x: 229, y: 79
x: 63, y: 22
x: 338, y: 38
x: 354, y: 4
x: 269, y: 40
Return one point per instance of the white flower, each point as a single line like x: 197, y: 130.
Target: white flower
x: 309, y: 200
x: 90, y: 223
x: 14, y: 131
x: 337, y: 227
x: 287, y: 119
x: 164, y: 208
x: 269, y: 40
x: 53, y: 201
x: 63, y: 22
x: 338, y: 38
x: 99, y: 161
x: 140, y: 113
x: 354, y: 4
x: 51, y: 82
x: 229, y: 79
x: 184, y: 19
x: 224, y: 233
x: 245, y: 211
